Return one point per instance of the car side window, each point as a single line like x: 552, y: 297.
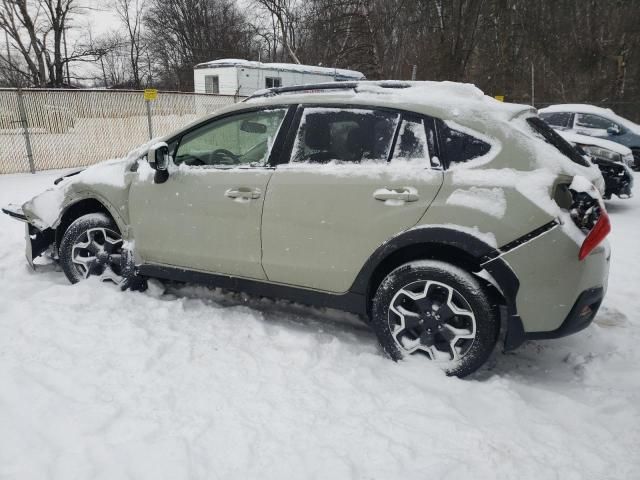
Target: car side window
x: 594, y: 121
x: 414, y: 141
x: 242, y: 139
x: 559, y: 119
x: 344, y: 135
x: 460, y: 147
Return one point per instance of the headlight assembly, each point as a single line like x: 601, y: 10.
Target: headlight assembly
x: 599, y: 152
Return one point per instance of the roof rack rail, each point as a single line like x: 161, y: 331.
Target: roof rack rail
x: 326, y: 86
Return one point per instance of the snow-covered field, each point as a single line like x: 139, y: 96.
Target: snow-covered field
x: 99, y: 384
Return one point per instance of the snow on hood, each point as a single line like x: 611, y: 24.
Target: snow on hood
x: 595, y: 141
x: 592, y: 109
x: 44, y: 209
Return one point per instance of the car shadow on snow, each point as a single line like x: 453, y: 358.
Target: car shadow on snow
x: 617, y: 206
x: 543, y: 361
x: 325, y: 321
x: 546, y: 362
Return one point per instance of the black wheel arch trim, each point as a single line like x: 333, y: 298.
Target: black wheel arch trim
x: 486, y: 256
x: 439, y: 235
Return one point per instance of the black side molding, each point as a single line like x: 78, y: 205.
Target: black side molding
x: 523, y: 239
x: 348, y: 302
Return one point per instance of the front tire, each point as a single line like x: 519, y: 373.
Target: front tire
x: 438, y: 311
x: 92, y: 247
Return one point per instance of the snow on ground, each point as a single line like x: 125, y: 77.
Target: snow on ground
x: 99, y: 384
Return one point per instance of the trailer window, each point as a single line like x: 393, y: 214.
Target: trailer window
x: 211, y: 84
x: 273, y: 82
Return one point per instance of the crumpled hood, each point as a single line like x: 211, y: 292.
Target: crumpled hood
x: 44, y: 210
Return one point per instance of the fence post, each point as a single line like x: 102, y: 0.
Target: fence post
x: 148, y: 102
x: 25, y: 130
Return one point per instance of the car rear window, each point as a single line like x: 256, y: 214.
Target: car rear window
x: 552, y: 137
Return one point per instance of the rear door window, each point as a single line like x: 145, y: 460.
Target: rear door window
x: 416, y: 141
x: 344, y: 135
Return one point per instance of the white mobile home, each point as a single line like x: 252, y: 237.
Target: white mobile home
x: 243, y: 77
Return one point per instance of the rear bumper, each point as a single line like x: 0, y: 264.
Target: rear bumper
x: 582, y: 313
x: 556, y: 294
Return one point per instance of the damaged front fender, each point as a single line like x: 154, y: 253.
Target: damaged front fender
x: 37, y: 240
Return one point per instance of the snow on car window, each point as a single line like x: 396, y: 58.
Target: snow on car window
x: 344, y: 135
x: 412, y: 144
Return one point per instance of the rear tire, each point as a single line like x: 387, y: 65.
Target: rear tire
x: 436, y: 310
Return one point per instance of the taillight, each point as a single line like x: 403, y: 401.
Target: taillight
x: 597, y: 234
x: 589, y: 214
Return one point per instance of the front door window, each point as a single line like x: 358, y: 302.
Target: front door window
x: 244, y: 139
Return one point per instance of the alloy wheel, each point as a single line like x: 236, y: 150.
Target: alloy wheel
x: 433, y: 319
x: 98, y: 252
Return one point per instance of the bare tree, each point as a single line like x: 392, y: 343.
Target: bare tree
x: 284, y: 23
x: 183, y: 33
x: 36, y: 30
x: 130, y: 13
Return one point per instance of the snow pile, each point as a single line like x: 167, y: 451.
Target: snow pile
x: 192, y: 383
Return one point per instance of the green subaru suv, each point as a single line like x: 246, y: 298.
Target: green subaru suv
x: 448, y: 220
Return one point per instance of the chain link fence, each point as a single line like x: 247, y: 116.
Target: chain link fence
x: 51, y: 129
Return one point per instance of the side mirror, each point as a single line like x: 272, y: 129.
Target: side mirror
x: 613, y: 130
x: 158, y: 156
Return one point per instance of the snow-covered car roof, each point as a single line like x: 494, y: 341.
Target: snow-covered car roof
x: 462, y: 102
x: 592, y: 109
x: 285, y: 67
x: 595, y: 141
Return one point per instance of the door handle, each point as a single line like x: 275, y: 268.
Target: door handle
x: 243, y: 193
x: 394, y: 195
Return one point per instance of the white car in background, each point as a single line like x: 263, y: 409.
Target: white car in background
x: 595, y: 122
x: 599, y: 147
x: 612, y: 159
